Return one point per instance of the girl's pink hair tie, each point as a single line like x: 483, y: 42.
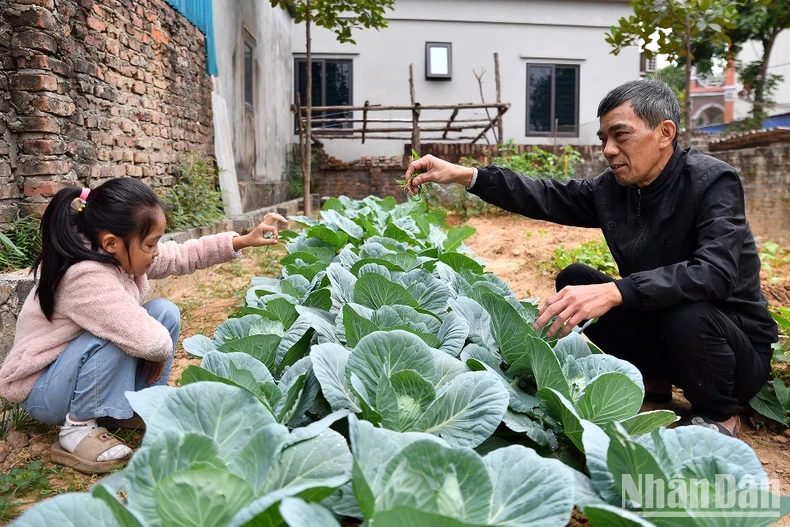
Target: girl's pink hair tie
x: 84, y: 195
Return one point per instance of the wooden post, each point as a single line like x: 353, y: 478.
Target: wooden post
x: 500, y: 137
x: 450, y: 122
x: 556, y: 129
x: 415, y: 113
x: 300, y: 129
x: 307, y: 159
x: 365, y: 120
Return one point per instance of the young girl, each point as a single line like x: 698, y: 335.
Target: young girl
x: 83, y: 338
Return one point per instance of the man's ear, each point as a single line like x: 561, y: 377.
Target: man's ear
x: 668, y: 131
x: 110, y: 243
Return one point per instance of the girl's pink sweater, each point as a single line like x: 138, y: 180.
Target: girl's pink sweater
x: 107, y: 302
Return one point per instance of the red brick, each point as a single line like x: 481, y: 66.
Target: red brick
x: 40, y: 188
x: 38, y: 123
x: 43, y: 62
x: 95, y: 24
x: 35, y: 167
x: 140, y: 157
x: 49, y: 4
x: 54, y: 106
x: 43, y: 147
x: 138, y: 88
x: 34, y: 40
x: 33, y: 209
x: 27, y: 81
x: 38, y: 18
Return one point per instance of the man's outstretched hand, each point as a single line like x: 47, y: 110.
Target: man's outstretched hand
x: 434, y: 170
x: 575, y: 304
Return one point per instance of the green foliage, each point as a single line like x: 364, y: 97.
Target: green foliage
x: 24, y: 478
x: 595, y: 254
x: 340, y: 16
x: 537, y: 163
x: 758, y: 20
x: 20, y: 243
x: 453, y: 403
x: 194, y: 199
x: 294, y: 174
x: 675, y: 77
x: 781, y: 348
x: 669, y: 25
x: 12, y: 417
x: 772, y: 254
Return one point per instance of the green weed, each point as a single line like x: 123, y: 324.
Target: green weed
x: 595, y: 254
x: 194, y: 199
x: 20, y: 243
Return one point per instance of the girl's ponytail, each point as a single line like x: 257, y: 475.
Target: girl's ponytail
x: 124, y: 207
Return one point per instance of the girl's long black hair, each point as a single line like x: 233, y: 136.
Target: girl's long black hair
x: 125, y: 207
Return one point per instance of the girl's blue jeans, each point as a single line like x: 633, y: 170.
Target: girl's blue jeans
x: 89, y: 379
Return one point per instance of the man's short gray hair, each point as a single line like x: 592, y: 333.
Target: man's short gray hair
x: 652, y: 100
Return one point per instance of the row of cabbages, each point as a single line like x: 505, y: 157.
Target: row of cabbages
x: 386, y: 377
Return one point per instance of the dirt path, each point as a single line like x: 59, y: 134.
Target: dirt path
x: 517, y: 249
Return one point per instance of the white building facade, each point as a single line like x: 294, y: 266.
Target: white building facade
x: 778, y: 64
x: 555, y: 65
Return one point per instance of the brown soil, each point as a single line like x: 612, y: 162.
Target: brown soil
x: 517, y: 249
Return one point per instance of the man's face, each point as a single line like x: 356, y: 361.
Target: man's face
x: 633, y: 150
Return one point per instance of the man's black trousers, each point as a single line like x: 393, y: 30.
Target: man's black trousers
x: 692, y: 345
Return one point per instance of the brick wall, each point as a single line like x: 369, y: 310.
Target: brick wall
x: 765, y: 173
x: 95, y: 89
x: 368, y: 176
x: 454, y: 152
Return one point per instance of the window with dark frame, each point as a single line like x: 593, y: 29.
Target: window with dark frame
x: 332, y: 83
x: 552, y: 98
x: 249, y: 46
x: 438, y: 61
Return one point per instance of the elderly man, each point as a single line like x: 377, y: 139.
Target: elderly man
x: 688, y: 309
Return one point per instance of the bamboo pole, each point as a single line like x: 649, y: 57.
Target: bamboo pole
x: 364, y: 120
x: 342, y: 131
x: 415, y: 113
x: 383, y: 121
x: 450, y: 122
x: 498, y: 81
x: 462, y: 106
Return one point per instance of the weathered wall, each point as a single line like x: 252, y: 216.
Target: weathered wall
x: 95, y: 89
x: 260, y: 137
x: 368, y: 176
x: 765, y: 173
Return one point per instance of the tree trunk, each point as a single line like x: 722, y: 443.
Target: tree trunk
x: 687, y: 117
x: 307, y: 155
x: 759, y: 110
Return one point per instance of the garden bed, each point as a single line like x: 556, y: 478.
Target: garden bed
x: 516, y: 249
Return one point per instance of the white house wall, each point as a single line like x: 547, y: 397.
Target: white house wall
x: 260, y: 138
x: 779, y: 64
x: 521, y: 31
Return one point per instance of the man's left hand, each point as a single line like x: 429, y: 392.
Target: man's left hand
x: 575, y: 304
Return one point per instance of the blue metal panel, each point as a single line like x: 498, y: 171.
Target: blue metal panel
x: 777, y: 120
x: 774, y: 121
x: 201, y: 15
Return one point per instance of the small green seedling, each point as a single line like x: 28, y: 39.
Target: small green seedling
x: 404, y: 184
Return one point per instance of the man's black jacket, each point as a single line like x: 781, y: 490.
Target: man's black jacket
x: 683, y: 238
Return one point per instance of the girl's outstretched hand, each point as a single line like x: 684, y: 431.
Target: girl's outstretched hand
x: 264, y: 234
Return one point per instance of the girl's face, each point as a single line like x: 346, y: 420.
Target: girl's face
x: 141, y: 254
